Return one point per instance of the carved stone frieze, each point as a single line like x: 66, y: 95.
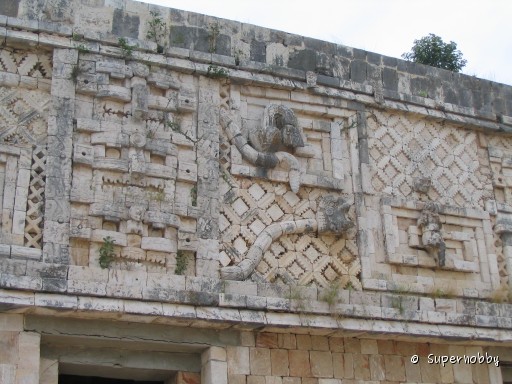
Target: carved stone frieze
x: 454, y: 244
x: 279, y: 129
x: 24, y: 114
x: 134, y: 171
x: 406, y: 151
x: 332, y: 215
x: 271, y: 233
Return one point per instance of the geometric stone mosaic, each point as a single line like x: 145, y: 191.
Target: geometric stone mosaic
x: 500, y: 155
x: 252, y: 205
x: 24, y: 105
x: 469, y: 262
x: 23, y: 116
x: 403, y: 147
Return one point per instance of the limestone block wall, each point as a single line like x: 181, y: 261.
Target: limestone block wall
x: 20, y: 358
x: 160, y: 163
x: 37, y: 349
x: 291, y: 358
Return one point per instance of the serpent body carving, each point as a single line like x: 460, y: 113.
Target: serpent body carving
x: 330, y: 218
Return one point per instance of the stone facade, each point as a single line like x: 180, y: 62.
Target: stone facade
x: 195, y: 200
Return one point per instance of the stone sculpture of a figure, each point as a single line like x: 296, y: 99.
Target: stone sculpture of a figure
x: 432, y: 239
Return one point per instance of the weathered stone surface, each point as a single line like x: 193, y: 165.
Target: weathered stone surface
x: 260, y: 361
x: 299, y: 363
x: 115, y: 158
x: 321, y: 364
x: 124, y: 24
x: 10, y: 8
x: 238, y: 360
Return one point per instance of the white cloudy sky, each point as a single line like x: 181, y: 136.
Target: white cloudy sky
x: 482, y: 29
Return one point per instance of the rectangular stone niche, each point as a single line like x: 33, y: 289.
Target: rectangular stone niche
x: 470, y: 255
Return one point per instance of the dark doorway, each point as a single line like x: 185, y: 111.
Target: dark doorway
x: 72, y: 379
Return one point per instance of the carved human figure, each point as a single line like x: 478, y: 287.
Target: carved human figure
x: 136, y: 214
x: 432, y: 238
x: 136, y: 153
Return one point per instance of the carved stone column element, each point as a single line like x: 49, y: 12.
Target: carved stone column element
x: 60, y: 150
x: 207, y: 177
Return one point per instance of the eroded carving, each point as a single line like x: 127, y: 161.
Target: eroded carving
x: 279, y: 127
x: 133, y: 173
x: 265, y: 146
x: 332, y: 215
x: 432, y: 238
x: 421, y: 184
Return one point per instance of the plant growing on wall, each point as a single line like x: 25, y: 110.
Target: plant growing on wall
x: 175, y: 126
x: 297, y: 298
x: 330, y: 294
x: 214, y: 72
x: 432, y: 50
x: 126, y: 48
x: 107, y: 252
x: 157, y: 30
x: 181, y: 263
x: 193, y: 196
x: 214, y: 31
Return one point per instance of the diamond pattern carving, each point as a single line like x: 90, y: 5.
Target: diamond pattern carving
x: 303, y: 259
x: 502, y: 262
x: 502, y: 142
x: 404, y: 147
x: 23, y: 115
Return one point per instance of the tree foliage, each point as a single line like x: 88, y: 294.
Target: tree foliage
x: 432, y: 50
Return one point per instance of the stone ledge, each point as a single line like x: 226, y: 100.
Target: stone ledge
x: 224, y: 318
x: 294, y: 301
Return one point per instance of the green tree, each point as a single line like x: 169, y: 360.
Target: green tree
x: 432, y: 50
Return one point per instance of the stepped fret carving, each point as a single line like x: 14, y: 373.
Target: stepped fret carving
x: 26, y: 63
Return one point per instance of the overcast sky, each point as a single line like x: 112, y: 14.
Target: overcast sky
x: 482, y: 29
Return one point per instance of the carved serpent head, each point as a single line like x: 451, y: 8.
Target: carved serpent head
x: 332, y: 215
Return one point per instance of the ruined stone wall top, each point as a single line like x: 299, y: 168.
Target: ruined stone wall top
x: 269, y: 51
